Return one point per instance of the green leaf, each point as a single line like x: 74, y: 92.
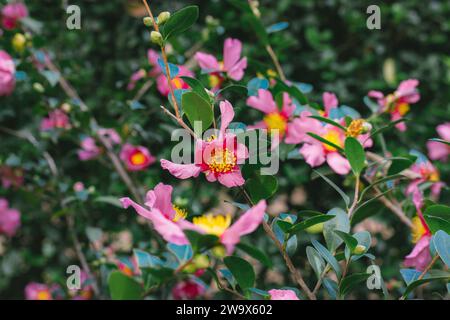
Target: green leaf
x: 233, y: 88
x: 197, y: 109
x: 319, y: 138
x: 315, y: 260
x: 328, y: 256
x: 349, y: 240
x: 339, y: 223
x: 309, y: 223
x: 242, y: 271
x: 180, y: 21
x: 379, y: 181
x: 329, y: 121
x: 197, y: 87
x: 401, y: 163
x: 256, y: 253
x: 429, y: 277
x: 386, y: 127
x: 261, y: 187
x: 122, y: 287
x: 441, y: 141
x: 438, y: 218
x: 335, y: 187
x: 201, y: 242
x: 285, y: 226
x: 114, y: 201
x: 441, y: 242
x: 348, y: 283
x: 355, y: 154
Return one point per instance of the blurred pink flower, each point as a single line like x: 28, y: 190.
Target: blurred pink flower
x: 11, y: 13
x: 136, y: 158
x: 38, y: 291
x: 398, y: 103
x: 439, y: 150
x: 282, y: 295
x: 57, y: 119
x: 7, y: 74
x: 9, y: 219
x: 135, y: 77
x: 177, y: 83
x: 89, y: 149
x: 330, y: 101
x: 420, y: 256
x: 218, y: 158
x: 78, y: 186
x: 170, y: 222
x: 427, y: 173
x: 11, y: 177
x: 232, y: 63
x: 187, y: 290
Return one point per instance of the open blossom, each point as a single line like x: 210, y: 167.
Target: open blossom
x: 38, y: 291
x: 438, y: 150
x: 89, y: 149
x: 169, y: 221
x: 232, y: 65
x: 274, y: 119
x: 187, y: 290
x: 11, y: 13
x: 7, y: 74
x: 426, y: 173
x: 136, y: 158
x: 177, y: 83
x: 276, y: 294
x: 9, y: 219
x: 57, y: 119
x: 398, y: 103
x: 218, y: 157
x: 316, y: 152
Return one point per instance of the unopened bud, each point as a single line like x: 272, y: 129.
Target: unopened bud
x: 38, y: 87
x: 156, y: 37
x: 359, y: 249
x: 148, y: 22
x: 163, y: 17
x: 317, y: 228
x: 219, y: 251
x: 367, y: 127
x: 18, y: 42
x: 66, y: 107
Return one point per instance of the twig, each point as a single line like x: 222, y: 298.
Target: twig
x: 355, y: 197
x: 276, y: 62
x: 430, y: 265
x: 395, y: 209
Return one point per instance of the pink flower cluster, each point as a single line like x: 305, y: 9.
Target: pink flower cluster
x: 12, y: 13
x: 438, y: 150
x: 57, y: 119
x: 7, y: 74
x: 9, y: 219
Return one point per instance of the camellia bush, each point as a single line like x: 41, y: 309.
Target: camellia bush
x: 224, y: 150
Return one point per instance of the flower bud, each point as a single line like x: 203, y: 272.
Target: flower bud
x: 360, y: 249
x: 219, y: 251
x: 66, y: 107
x: 38, y: 87
x: 317, y: 228
x: 18, y: 42
x: 163, y: 17
x: 156, y: 38
x: 367, y: 127
x: 148, y: 22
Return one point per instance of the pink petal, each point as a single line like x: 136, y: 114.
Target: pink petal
x: 227, y: 115
x: 330, y: 101
x: 263, y: 101
x: 181, y: 171
x: 313, y: 154
x: 375, y: 94
x: 288, y: 107
x: 444, y: 131
x: 437, y: 150
x: 420, y: 257
x: 207, y: 62
x: 237, y: 71
x: 246, y: 224
x: 338, y: 163
x: 232, y: 179
x: 282, y: 295
x: 231, y: 53
x: 160, y: 198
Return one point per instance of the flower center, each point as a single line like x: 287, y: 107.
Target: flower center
x: 178, y: 83
x: 43, y: 295
x: 179, y: 214
x: 214, y: 80
x: 138, y: 158
x: 355, y: 128
x: 418, y: 231
x: 402, y: 108
x: 334, y: 137
x: 212, y: 224
x: 275, y: 121
x: 222, y: 161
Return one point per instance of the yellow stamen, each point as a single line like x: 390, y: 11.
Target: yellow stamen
x: 211, y: 138
x: 275, y: 121
x: 43, y: 295
x: 434, y: 176
x: 403, y: 108
x: 214, y: 80
x: 334, y: 137
x: 179, y: 214
x: 138, y: 158
x: 355, y: 128
x: 271, y: 73
x: 177, y: 83
x: 212, y: 224
x: 418, y: 231
x: 222, y: 161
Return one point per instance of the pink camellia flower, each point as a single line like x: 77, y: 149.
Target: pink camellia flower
x: 316, y: 152
x: 218, y: 158
x: 11, y: 13
x: 232, y: 63
x: 111, y: 135
x: 398, y: 103
x: 7, y: 74
x: 438, y: 150
x: 177, y: 83
x: 57, y: 119
x: 136, y: 158
x: 275, y: 119
x: 9, y: 219
x: 187, y: 290
x: 282, y: 295
x: 153, y: 57
x: 427, y: 173
x: 38, y: 291
x: 330, y: 101
x: 169, y: 221
x: 89, y: 149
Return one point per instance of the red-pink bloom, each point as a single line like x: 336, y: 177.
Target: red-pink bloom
x: 7, y: 74
x: 275, y: 119
x: 218, y: 158
x: 11, y: 13
x: 282, y: 295
x: 187, y: 290
x: 177, y: 83
x: 169, y: 221
x: 11, y: 177
x: 232, y: 63
x: 57, y: 119
x: 426, y: 173
x: 9, y: 219
x: 38, y: 291
x: 420, y: 256
x: 439, y: 150
x: 315, y: 152
x: 398, y: 103
x: 153, y: 57
x: 111, y: 135
x: 136, y: 158
x: 89, y: 149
